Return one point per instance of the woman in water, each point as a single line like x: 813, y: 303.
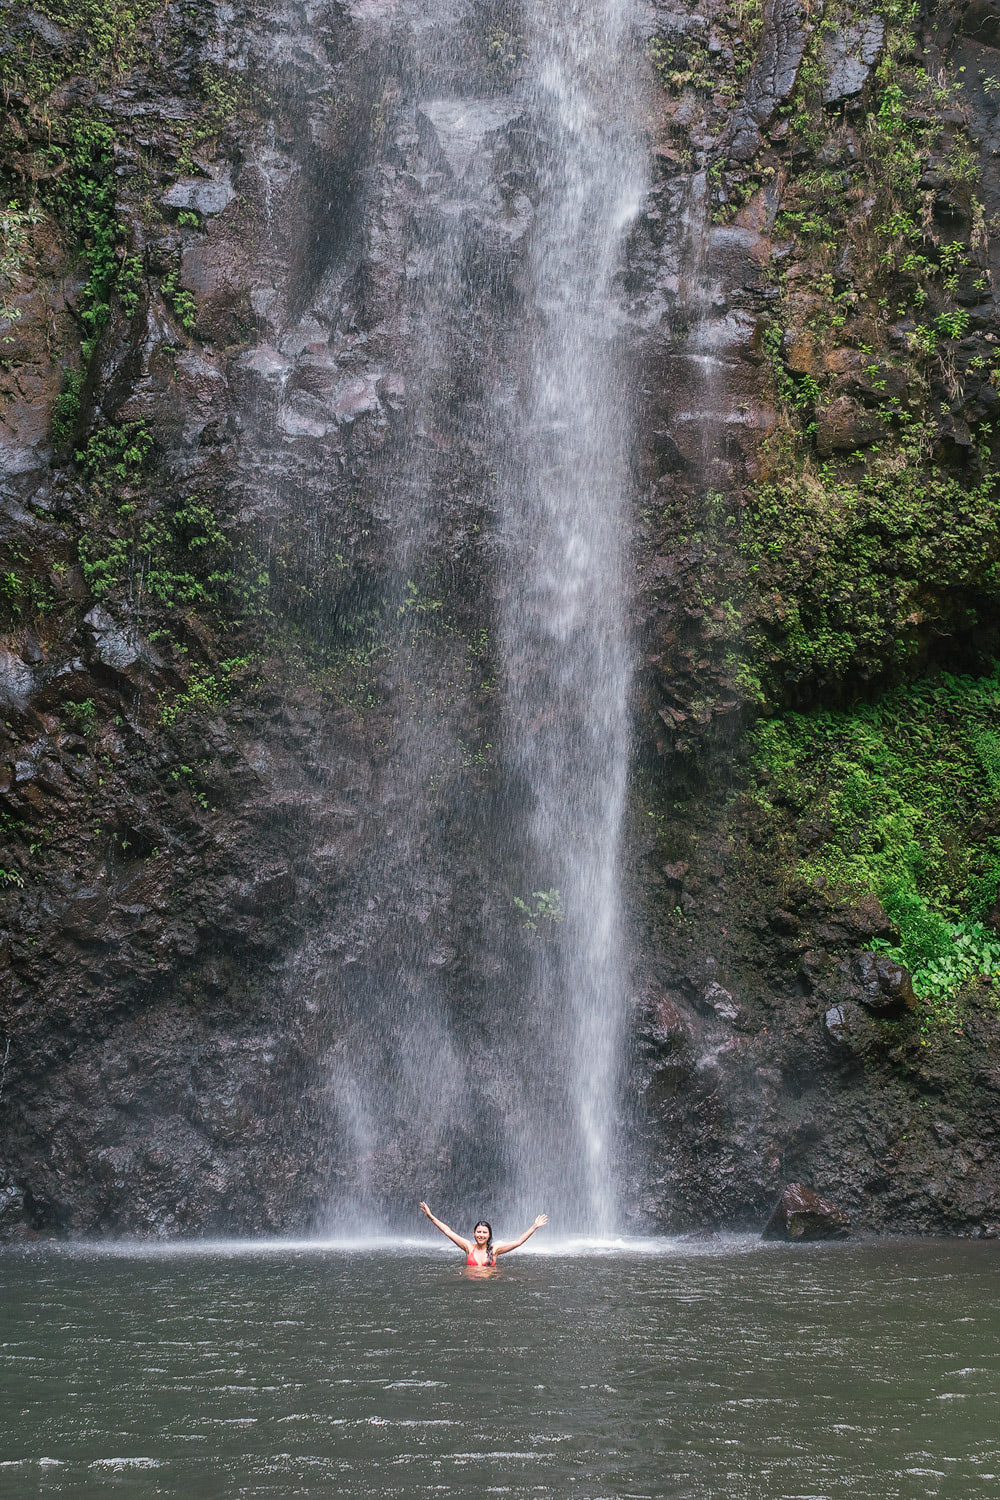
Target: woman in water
x: 480, y: 1250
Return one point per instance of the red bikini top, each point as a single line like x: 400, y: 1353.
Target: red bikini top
x: 470, y: 1260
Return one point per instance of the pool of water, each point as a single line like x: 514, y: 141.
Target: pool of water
x: 731, y: 1372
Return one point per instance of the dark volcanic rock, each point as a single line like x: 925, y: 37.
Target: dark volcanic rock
x: 842, y: 427
x: 802, y: 1214
x: 849, y: 56
x: 773, y: 75
x: 837, y: 1025
x: 992, y: 918
x: 12, y: 1207
x: 884, y: 986
x: 189, y: 925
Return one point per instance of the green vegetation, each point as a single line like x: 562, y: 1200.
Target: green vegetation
x: 868, y: 536
x: 156, y: 555
x: 505, y: 50
x: 83, y: 194
x: 883, y: 796
x: 24, y: 595
x: 347, y: 640
x: 176, y: 555
x: 66, y: 410
x: 113, y: 461
x: 82, y: 715
x: 875, y: 199
x: 102, y: 37
x: 970, y: 951
x: 15, y: 239
x: 846, y: 572
x: 179, y: 299
x: 223, y: 96
x: 206, y: 690
x: 544, y: 906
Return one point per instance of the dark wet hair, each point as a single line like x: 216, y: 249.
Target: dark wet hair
x: 488, y: 1226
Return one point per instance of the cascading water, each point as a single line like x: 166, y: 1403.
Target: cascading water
x: 531, y: 1086
x: 564, y: 598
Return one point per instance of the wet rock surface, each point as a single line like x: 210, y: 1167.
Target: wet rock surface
x: 802, y: 1214
x: 883, y: 986
x: 785, y: 32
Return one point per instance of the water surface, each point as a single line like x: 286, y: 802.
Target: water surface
x: 738, y: 1372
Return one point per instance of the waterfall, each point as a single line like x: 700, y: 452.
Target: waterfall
x: 565, y: 489
x: 521, y: 199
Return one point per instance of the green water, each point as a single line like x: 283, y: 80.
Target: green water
x: 746, y: 1373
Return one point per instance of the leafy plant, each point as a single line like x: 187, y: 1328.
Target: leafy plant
x: 886, y: 794
x: 206, y: 690
x: 180, y: 299
x: 66, y: 408
x: 15, y: 238
x: 544, y: 906
x: 82, y: 714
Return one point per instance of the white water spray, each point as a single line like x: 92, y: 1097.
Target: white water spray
x: 564, y: 601
x: 519, y: 1103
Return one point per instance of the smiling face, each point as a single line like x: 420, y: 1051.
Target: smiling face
x: 481, y: 1234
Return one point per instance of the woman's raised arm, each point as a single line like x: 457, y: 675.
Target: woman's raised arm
x: 513, y: 1244
x: 456, y: 1239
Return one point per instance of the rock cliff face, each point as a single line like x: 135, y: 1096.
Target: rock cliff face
x: 208, y: 669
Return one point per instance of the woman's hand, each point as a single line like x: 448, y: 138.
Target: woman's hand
x: 539, y: 1223
x: 456, y: 1239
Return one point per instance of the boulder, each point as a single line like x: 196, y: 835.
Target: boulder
x: 980, y: 20
x: 850, y: 1030
x: 866, y: 918
x: 849, y: 55
x: 668, y: 1029
x: 882, y: 985
x: 207, y: 198
x: 16, y: 681
x: 801, y: 1214
x: 118, y: 647
x: 843, y: 427
x: 13, y: 1211
x: 837, y: 1025
x: 722, y: 1002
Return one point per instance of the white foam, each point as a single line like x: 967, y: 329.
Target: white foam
x: 372, y: 1244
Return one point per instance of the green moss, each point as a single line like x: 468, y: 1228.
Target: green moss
x: 847, y: 574
x: 900, y: 798
x: 861, y: 567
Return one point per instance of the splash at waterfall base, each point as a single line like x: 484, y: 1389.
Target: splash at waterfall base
x: 195, y: 775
